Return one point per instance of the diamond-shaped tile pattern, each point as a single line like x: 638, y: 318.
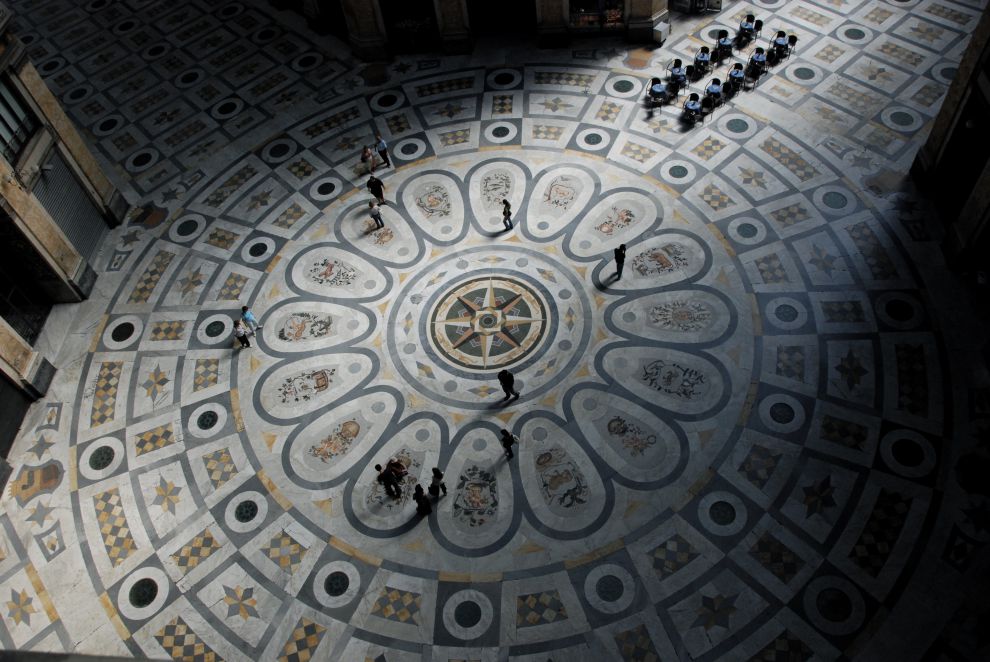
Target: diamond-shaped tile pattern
x: 458, y: 137
x: 708, y: 148
x: 230, y: 186
x: 776, y: 557
x: 759, y: 465
x: 303, y: 641
x: 220, y: 467
x: 301, y: 169
x: 502, y: 104
x: 330, y: 123
x: 882, y: 529
x: 113, y: 525
x: 672, y: 555
x: 149, y: 279
x: 221, y: 238
x: 877, y: 258
x: 790, y: 362
x: 105, y: 393
x: 790, y: 159
x: 154, y: 439
x: 912, y: 379
x: 563, y: 78
x: 771, y: 269
x: 232, y: 287
x: 843, y: 432
x: 285, y: 551
x: 168, y: 330
x: 539, y: 609
x: 635, y: 645
x: 197, y: 550
x: 715, y: 198
x: 839, y: 312
x: 449, y: 85
x: 789, y: 215
x: 395, y: 604
x: 637, y: 152
x: 184, y: 645
x: 785, y: 648
x: 206, y: 373
x: 547, y: 132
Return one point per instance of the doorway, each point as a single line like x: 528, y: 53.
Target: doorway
x: 410, y: 25
x: 514, y: 17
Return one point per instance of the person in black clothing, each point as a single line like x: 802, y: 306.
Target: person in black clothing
x: 377, y: 188
x: 437, y: 484
x: 620, y: 260
x: 423, y: 505
x: 507, y: 214
x: 507, y: 381
x: 389, y: 481
x: 507, y: 439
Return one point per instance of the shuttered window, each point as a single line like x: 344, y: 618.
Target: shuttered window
x: 17, y: 124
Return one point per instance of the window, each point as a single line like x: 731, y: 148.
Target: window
x: 597, y: 13
x: 17, y: 124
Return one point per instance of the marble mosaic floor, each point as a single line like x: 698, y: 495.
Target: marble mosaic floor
x: 745, y: 448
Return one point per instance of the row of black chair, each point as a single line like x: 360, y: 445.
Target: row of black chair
x: 739, y: 77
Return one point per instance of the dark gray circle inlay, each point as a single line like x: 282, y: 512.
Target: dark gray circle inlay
x: 122, y: 332
x: 246, y: 511
x: 785, y: 312
x: 834, y: 605
x: 782, y: 413
x: 609, y: 588
x: 207, y: 420
x: 101, y: 458
x: 215, y: 328
x: 143, y: 593
x: 336, y: 583
x: 467, y: 614
x: 722, y: 513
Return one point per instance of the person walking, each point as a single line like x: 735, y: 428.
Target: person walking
x: 507, y: 380
x: 423, y: 505
x: 241, y: 333
x: 250, y: 321
x: 377, y: 188
x: 382, y: 147
x: 376, y: 214
x: 506, y: 438
x: 507, y: 214
x: 620, y: 260
x: 389, y: 481
x: 436, y: 484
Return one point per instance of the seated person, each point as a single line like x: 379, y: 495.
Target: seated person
x: 657, y: 91
x: 703, y: 58
x: 758, y: 63
x: 747, y: 27
x: 693, y: 105
x: 780, y: 45
x: 724, y: 44
x: 677, y: 73
x: 736, y: 76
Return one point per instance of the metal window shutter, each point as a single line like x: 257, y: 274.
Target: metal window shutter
x: 64, y: 198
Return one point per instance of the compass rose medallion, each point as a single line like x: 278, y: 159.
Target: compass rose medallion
x: 489, y: 322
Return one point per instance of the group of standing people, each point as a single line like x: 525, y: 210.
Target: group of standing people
x: 392, y: 475
x: 368, y: 159
x: 246, y: 326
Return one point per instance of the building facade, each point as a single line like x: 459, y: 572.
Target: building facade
x: 377, y: 27
x: 56, y: 205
